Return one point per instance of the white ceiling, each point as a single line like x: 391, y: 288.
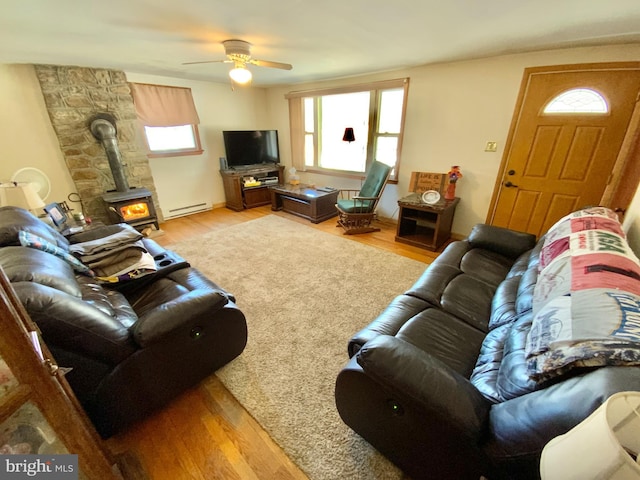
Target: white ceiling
x: 322, y: 39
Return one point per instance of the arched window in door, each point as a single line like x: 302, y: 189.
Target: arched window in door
x: 578, y: 100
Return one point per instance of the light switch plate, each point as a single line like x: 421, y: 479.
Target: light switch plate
x: 491, y: 147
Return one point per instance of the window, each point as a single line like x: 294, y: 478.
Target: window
x: 374, y: 111
x: 164, y: 139
x: 578, y: 100
x: 170, y: 120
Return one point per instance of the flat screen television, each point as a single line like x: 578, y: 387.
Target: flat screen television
x: 251, y: 147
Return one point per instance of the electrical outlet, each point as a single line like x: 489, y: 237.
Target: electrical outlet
x: 491, y: 147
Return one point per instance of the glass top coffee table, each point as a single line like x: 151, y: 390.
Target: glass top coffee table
x: 316, y: 205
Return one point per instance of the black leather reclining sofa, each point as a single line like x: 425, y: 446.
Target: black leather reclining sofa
x: 440, y: 381
x: 131, y: 346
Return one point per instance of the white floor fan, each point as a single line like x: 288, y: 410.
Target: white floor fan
x: 37, y: 178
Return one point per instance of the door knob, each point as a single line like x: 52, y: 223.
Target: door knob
x: 510, y: 185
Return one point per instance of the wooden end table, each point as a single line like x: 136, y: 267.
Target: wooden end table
x: 424, y: 225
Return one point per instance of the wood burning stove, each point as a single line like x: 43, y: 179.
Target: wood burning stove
x: 134, y: 207
x: 125, y: 204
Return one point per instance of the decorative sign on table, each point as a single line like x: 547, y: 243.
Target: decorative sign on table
x: 421, y: 182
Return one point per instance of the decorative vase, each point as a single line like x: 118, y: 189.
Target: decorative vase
x: 450, y: 193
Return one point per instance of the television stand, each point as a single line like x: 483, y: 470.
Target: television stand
x: 238, y: 197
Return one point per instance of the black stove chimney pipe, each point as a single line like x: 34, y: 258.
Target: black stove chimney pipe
x: 103, y: 127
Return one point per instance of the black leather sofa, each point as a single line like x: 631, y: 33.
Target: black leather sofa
x: 131, y: 346
x: 439, y: 384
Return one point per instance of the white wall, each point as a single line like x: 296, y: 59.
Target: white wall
x: 195, y: 180
x: 453, y: 110
x: 27, y: 138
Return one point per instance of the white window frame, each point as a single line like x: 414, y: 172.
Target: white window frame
x: 299, y: 132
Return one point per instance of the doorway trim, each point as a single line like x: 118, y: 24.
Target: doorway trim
x: 624, y: 179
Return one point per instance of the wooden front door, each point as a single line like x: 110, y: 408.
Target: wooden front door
x: 559, y: 162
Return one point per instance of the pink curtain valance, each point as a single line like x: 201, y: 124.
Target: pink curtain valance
x: 162, y: 106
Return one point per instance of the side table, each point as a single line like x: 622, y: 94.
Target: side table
x: 424, y: 225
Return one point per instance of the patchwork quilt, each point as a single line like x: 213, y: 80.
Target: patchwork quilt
x: 586, y: 302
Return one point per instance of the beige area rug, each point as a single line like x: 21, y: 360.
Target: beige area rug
x: 304, y: 293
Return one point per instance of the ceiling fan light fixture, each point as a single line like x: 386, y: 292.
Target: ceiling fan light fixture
x: 240, y: 74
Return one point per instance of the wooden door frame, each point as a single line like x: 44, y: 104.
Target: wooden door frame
x: 625, y: 174
x: 42, y: 383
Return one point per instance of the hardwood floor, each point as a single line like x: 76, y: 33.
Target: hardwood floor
x: 183, y: 228
x: 206, y: 433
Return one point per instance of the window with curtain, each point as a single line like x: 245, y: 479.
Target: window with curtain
x: 318, y: 120
x: 169, y: 118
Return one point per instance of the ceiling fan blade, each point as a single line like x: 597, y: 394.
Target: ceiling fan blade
x: 207, y: 61
x: 267, y: 63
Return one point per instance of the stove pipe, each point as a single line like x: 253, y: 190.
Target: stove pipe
x: 104, y: 129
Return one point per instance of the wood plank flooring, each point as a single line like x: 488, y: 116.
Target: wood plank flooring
x: 206, y: 433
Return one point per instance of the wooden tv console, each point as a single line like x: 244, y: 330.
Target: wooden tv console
x: 238, y: 197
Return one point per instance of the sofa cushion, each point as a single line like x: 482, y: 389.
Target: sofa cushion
x: 487, y: 266
x: 513, y: 376
x: 469, y: 299
x: 462, y: 281
x: 441, y: 335
x: 110, y: 302
x: 487, y: 368
x: 389, y: 322
x: 23, y: 264
x: 14, y: 219
x: 508, y: 243
x: 503, y: 304
x: 501, y: 370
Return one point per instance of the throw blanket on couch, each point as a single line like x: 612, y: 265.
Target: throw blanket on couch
x: 587, y: 299
x: 119, y: 256
x: 116, y: 257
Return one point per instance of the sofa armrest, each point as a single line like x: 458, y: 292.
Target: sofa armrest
x: 442, y: 392
x: 185, y: 310
x: 88, y: 328
x: 501, y: 240
x: 525, y: 424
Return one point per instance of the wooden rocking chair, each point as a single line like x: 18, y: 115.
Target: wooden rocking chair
x: 356, y: 208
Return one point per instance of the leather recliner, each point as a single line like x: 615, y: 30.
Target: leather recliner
x: 131, y: 347
x: 438, y: 382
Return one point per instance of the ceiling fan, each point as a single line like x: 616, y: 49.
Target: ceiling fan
x: 239, y: 53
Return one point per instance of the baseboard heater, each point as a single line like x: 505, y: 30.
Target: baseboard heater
x: 187, y: 210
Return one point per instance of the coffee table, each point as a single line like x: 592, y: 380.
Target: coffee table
x: 304, y: 201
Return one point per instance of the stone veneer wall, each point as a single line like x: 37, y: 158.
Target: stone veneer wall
x: 73, y: 95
